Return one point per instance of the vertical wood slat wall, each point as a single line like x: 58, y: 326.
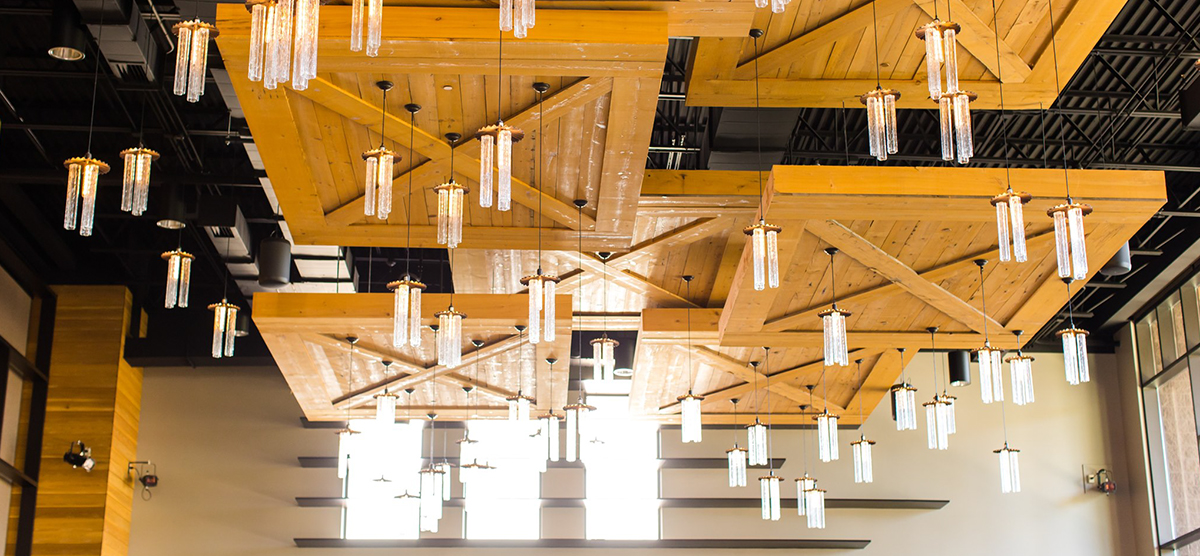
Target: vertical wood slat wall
x: 94, y: 396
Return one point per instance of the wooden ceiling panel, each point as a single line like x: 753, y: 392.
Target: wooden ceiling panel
x: 822, y: 53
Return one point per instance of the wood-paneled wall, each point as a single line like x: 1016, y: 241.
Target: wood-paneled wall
x: 94, y: 396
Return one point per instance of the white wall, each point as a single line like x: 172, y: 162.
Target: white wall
x: 226, y: 444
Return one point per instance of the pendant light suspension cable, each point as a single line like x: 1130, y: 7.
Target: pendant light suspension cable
x: 764, y: 237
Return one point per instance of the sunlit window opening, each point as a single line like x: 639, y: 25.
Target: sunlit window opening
x: 620, y: 458
x: 505, y: 502
x: 384, y: 461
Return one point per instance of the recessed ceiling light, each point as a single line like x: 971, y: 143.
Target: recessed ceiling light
x: 447, y: 87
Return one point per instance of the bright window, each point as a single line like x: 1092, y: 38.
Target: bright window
x: 384, y: 461
x: 621, y: 466
x: 504, y: 502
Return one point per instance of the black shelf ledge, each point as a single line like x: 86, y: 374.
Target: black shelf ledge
x: 689, y: 544
x: 322, y: 462
x: 695, y: 503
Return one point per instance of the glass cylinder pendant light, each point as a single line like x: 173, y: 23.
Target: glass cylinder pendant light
x: 881, y: 107
x: 374, y: 14
x: 764, y: 237
x: 737, y: 466
x: 496, y: 143
x: 1070, y: 247
x: 541, y: 305
x: 941, y: 50
x: 881, y: 121
x: 954, y: 114
x: 863, y: 470
x: 450, y: 200
x: 1010, y: 224
x: 1074, y: 344
x: 833, y: 321
x: 191, y: 57
x: 406, y: 313
x: 814, y: 507
x: 756, y: 442
x: 991, y: 371
x: 736, y: 456
x: 1020, y: 369
x: 604, y: 360
x: 827, y: 436
x: 803, y: 484
x: 936, y: 423
x: 573, y: 419
x: 179, y: 278
x: 377, y: 191
x: 449, y: 337
x: 283, y: 41
x: 385, y: 402
x: 345, y: 434
x: 83, y: 173
x: 861, y: 448
x: 769, y: 493
x: 1010, y: 470
x: 518, y: 407
x: 517, y: 16
x: 431, y: 498
x: 904, y: 399
x: 135, y: 184
x: 224, y: 328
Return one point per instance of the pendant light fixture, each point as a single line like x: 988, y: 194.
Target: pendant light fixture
x: 374, y: 14
x: 179, y: 277
x: 1070, y: 245
x: 863, y: 466
x: 756, y: 432
x: 224, y: 329
x: 777, y: 6
x: 574, y: 413
x: 833, y: 321
x: 604, y: 349
x: 283, y: 39
x: 935, y: 411
x: 764, y: 238
x: 814, y: 498
x: 904, y: 400
x: 517, y: 16
x: 432, y: 480
x: 83, y: 172
x: 345, y: 434
x: 804, y: 483
x: 191, y: 57
x: 827, y: 433
x: 991, y: 373
x: 495, y: 148
x: 1074, y: 343
x: 135, y: 184
x: 377, y: 192
x: 1020, y: 368
x: 881, y: 107
x: 385, y: 402
x: 1010, y: 470
x: 954, y: 105
x: 945, y: 399
x: 541, y: 286
x: 736, y: 455
x: 449, y: 333
x: 550, y: 420
x: 1010, y: 212
x: 690, y: 403
x: 406, y: 311
x: 518, y: 405
x: 451, y: 196
x: 769, y: 484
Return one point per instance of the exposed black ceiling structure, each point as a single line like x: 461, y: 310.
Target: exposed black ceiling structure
x: 1121, y: 110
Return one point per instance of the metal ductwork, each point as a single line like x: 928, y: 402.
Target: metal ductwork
x: 126, y: 39
x: 736, y: 137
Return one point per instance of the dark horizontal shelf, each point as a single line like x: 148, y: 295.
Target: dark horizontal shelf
x: 689, y: 544
x: 696, y: 503
x: 669, y: 463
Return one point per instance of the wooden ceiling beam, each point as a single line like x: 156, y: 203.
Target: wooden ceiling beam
x: 478, y: 237
x: 634, y: 282
x: 358, y: 110
x: 398, y: 383
x: 744, y: 373
x: 887, y: 266
x: 978, y: 38
x: 783, y: 56
x: 809, y: 316
x: 678, y: 237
